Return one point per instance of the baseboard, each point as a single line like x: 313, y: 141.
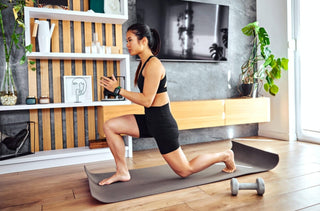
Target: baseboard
x: 55, y: 158
x: 274, y: 134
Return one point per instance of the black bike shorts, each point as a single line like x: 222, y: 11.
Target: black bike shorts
x: 159, y: 123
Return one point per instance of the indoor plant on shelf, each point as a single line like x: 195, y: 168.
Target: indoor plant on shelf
x: 262, y: 66
x: 12, y: 37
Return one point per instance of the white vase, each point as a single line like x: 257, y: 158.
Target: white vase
x: 8, y: 92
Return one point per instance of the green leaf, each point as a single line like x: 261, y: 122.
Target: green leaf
x: 269, y: 80
x: 266, y: 87
x: 273, y: 63
x: 21, y: 24
x: 3, y: 6
x: 267, y: 52
x: 268, y: 61
x: 263, y: 36
x: 29, y: 48
x: 16, y: 9
x: 23, y: 59
x: 274, y: 89
x: 276, y: 72
x: 250, y: 29
x: 32, y: 62
x: 284, y: 63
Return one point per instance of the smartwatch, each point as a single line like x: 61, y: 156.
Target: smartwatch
x: 117, y: 91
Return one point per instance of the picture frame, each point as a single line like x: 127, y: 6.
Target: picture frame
x: 112, y: 7
x: 77, y: 89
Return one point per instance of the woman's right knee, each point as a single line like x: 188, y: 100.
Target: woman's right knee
x: 109, y: 126
x: 121, y: 125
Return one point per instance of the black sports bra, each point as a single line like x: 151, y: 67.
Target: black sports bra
x: 162, y: 85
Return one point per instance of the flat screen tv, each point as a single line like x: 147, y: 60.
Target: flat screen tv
x: 189, y: 30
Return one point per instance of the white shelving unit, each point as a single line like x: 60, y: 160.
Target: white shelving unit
x: 71, y: 156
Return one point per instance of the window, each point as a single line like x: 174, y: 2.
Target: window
x: 307, y: 32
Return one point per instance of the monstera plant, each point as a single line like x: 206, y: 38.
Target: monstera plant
x: 262, y: 66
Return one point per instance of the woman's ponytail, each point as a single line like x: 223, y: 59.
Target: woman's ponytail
x: 155, y: 44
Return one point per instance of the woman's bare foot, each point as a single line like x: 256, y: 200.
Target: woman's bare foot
x: 117, y: 177
x: 229, y: 162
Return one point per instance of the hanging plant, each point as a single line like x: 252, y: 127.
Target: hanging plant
x: 12, y: 36
x: 13, y: 39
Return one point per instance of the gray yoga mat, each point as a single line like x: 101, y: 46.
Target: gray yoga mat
x: 160, y: 179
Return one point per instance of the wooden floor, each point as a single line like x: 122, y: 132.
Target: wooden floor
x: 293, y: 185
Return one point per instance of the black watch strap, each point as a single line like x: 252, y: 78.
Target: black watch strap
x: 117, y: 91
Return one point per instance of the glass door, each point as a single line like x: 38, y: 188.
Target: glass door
x: 307, y: 33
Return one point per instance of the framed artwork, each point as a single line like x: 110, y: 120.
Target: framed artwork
x: 112, y: 7
x: 77, y: 89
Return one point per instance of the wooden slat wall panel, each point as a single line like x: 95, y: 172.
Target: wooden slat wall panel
x: 56, y: 79
x: 119, y: 36
x: 99, y: 70
x: 32, y: 78
x: 67, y: 72
x: 118, y: 28
x: 78, y: 65
x: 46, y: 123
x: 109, y: 42
x: 89, y: 71
x: 63, y: 119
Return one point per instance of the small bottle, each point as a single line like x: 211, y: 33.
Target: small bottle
x: 31, y: 100
x: 44, y: 100
x: 95, y: 48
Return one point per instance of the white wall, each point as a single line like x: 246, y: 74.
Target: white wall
x: 273, y: 15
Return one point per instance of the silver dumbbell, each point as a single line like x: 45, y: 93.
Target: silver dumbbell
x: 236, y: 186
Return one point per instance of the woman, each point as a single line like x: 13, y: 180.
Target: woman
x: 157, y: 121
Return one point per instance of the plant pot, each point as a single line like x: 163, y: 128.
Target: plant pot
x: 249, y: 90
x: 8, y: 92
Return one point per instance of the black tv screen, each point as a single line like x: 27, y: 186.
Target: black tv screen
x: 189, y: 30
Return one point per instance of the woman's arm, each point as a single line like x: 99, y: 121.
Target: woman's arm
x: 152, y: 76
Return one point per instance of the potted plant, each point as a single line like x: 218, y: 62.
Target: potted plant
x: 262, y: 66
x: 12, y: 37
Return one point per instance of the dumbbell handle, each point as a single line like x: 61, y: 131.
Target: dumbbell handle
x: 248, y: 186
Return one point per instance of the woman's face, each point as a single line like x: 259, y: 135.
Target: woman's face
x: 134, y: 45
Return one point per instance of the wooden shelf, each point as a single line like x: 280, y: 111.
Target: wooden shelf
x: 63, y: 105
x: 202, y: 113
x: 248, y: 110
